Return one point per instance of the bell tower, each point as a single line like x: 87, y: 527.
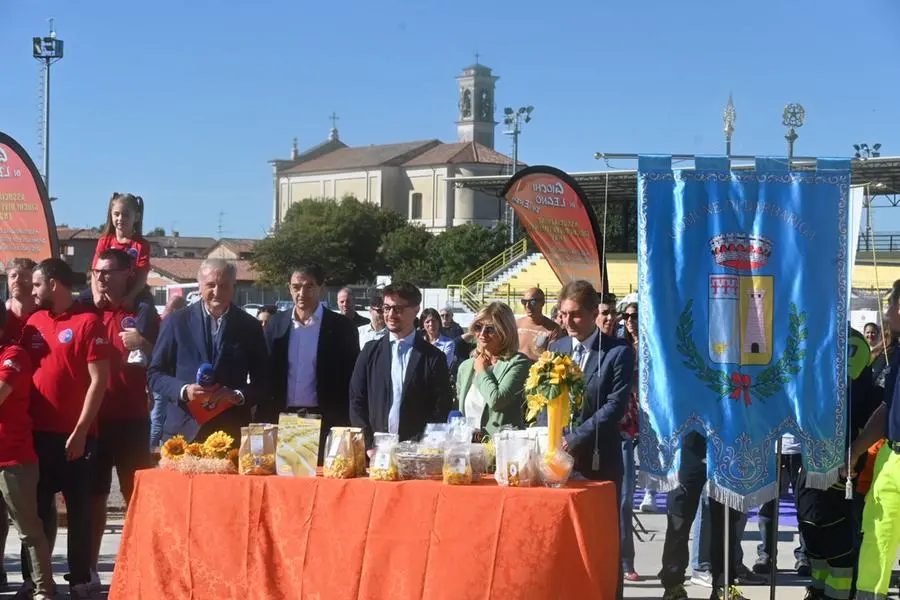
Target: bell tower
x: 475, y: 121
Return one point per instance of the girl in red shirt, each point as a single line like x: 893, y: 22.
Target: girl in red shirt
x: 124, y: 225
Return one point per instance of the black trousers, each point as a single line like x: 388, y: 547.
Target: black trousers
x: 74, y: 479
x: 682, y: 507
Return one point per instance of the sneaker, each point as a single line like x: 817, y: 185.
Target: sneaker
x: 702, y: 578
x: 631, y: 576
x: 762, y: 566
x: 734, y: 593
x: 81, y: 591
x: 675, y: 593
x: 648, y: 504
x: 138, y: 357
x: 803, y: 568
x: 95, y: 581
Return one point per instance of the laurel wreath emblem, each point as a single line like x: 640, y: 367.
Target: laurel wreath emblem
x: 769, y: 381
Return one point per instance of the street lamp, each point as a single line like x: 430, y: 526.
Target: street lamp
x: 47, y: 50
x: 793, y: 117
x: 863, y: 151
x: 514, y: 120
x: 730, y: 116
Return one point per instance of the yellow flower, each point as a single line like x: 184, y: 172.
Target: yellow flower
x: 218, y: 444
x: 536, y: 403
x: 195, y: 450
x: 545, y: 358
x: 174, y: 448
x: 534, y: 379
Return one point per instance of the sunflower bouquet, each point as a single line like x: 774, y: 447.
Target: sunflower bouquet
x: 215, y: 455
x: 555, y: 382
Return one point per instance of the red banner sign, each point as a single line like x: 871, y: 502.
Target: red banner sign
x: 27, y: 229
x: 552, y: 209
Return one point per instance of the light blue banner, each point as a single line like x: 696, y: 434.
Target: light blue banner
x: 743, y: 283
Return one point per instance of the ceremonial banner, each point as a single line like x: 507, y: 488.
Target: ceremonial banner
x: 27, y: 229
x: 743, y: 281
x: 555, y: 213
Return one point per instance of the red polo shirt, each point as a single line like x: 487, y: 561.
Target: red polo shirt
x: 12, y: 331
x: 16, y: 444
x: 60, y: 347
x: 138, y: 249
x: 126, y: 392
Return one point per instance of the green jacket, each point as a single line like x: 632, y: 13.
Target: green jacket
x: 503, y: 389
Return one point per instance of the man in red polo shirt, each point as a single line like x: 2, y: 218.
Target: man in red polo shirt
x: 18, y: 462
x: 124, y: 418
x: 69, y: 350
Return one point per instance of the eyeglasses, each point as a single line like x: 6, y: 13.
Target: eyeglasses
x: 487, y: 329
x: 630, y: 316
x: 394, y: 308
x: 608, y: 312
x: 529, y: 301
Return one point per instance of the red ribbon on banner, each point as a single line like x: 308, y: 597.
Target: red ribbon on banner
x: 741, y: 383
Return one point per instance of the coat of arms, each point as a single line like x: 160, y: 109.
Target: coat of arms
x: 741, y: 315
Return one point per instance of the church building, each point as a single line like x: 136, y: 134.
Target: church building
x: 407, y: 177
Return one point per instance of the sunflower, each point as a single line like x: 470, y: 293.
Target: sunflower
x: 218, y: 444
x: 174, y: 448
x: 196, y: 450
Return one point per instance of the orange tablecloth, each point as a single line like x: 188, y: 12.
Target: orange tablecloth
x: 223, y: 537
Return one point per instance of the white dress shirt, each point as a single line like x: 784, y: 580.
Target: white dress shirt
x: 367, y: 334
x: 582, y: 350
x: 303, y: 350
x: 401, y: 348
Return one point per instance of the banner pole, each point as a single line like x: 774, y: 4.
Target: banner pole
x: 773, y: 537
x: 727, y: 554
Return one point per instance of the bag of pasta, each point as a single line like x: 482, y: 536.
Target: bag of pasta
x: 384, y: 463
x: 458, y: 465
x: 339, y: 460
x: 257, y: 453
x: 517, y: 459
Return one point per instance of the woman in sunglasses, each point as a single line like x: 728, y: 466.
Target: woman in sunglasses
x: 491, y: 384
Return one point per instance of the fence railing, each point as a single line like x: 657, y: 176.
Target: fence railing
x: 881, y: 242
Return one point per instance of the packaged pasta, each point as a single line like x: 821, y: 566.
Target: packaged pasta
x: 384, y: 463
x: 517, y: 459
x: 339, y: 460
x: 359, y: 451
x: 556, y: 467
x: 457, y: 465
x: 257, y: 452
x: 298, y: 445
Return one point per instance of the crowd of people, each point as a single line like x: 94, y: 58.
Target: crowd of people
x: 93, y: 383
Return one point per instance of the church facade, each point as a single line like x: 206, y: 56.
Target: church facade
x: 410, y: 178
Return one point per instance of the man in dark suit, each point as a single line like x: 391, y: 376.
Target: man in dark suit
x: 401, y: 382
x: 608, y: 365
x: 313, y: 351
x: 217, y: 332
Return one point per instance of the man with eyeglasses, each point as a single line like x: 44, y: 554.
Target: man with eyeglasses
x: 401, y: 382
x: 449, y: 327
x: 376, y: 329
x: 536, y: 331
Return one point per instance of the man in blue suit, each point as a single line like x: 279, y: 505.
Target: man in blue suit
x: 595, y: 440
x: 217, y: 332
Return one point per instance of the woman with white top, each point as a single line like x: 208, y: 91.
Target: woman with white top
x: 491, y: 384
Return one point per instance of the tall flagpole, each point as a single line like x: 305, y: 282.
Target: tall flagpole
x: 730, y: 116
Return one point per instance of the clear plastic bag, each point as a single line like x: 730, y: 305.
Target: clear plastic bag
x: 384, y: 462
x: 458, y: 465
x: 298, y: 445
x: 339, y: 458
x: 517, y: 459
x: 556, y: 468
x: 257, y: 453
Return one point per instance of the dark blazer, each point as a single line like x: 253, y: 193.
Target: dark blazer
x: 606, y: 396
x: 181, y: 349
x: 427, y: 396
x: 335, y: 357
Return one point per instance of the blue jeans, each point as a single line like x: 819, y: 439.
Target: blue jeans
x: 626, y: 506
x: 700, y: 538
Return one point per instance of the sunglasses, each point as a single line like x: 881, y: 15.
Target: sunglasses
x: 630, y: 316
x: 606, y: 313
x: 529, y: 301
x: 487, y: 329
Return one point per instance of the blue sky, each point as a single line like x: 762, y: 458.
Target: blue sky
x: 184, y: 102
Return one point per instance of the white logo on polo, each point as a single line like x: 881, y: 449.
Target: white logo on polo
x: 3, y: 158
x: 100, y: 341
x: 9, y: 363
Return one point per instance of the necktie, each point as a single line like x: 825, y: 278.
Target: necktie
x: 578, y: 355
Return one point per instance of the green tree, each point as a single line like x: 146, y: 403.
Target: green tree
x: 406, y: 257
x: 156, y: 232
x: 462, y: 249
x: 343, y: 236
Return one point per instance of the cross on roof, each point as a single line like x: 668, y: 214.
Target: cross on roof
x: 476, y: 57
x: 334, y: 119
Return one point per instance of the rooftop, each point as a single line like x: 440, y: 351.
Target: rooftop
x: 185, y: 269
x: 460, y: 153
x: 363, y: 157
